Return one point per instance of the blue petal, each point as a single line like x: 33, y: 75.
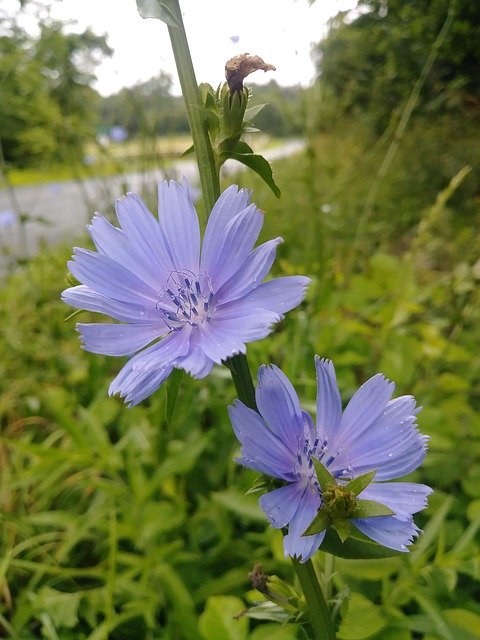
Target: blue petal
x: 135, y: 386
x: 219, y: 343
x: 179, y: 223
x: 144, y: 234
x: 231, y: 202
x: 233, y: 246
x: 137, y: 249
x: 392, y: 445
x: 262, y: 450
x: 281, y: 504
x: 196, y: 362
x: 278, y: 404
x: 405, y: 498
x: 364, y: 408
x: 167, y: 351
x: 118, y: 339
x: 253, y: 270
x: 231, y: 327
x: 329, y: 404
x: 279, y: 295
x: 294, y: 543
x: 148, y: 369
x: 389, y: 531
x: 83, y: 297
x: 111, y: 279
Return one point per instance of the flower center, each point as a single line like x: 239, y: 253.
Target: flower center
x: 333, y: 460
x: 339, y: 502
x: 188, y: 299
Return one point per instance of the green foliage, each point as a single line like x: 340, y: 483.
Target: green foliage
x: 146, y: 110
x: 371, y: 60
x: 134, y: 523
x: 47, y: 106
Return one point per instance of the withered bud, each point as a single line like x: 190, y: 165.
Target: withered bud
x: 258, y: 579
x: 239, y: 67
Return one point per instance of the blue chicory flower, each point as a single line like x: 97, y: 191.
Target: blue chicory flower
x: 373, y: 433
x: 197, y: 306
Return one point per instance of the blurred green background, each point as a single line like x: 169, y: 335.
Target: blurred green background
x: 121, y: 524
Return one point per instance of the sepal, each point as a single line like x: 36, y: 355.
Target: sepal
x: 371, y: 509
x: 357, y: 485
x: 324, y: 477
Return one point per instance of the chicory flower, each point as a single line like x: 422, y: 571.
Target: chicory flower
x: 373, y: 434
x: 178, y: 304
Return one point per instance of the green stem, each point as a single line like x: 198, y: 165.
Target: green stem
x: 209, y: 175
x: 238, y: 365
x: 242, y: 379
x: 319, y: 614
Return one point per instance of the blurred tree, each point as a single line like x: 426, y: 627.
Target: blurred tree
x: 373, y: 55
x: 149, y: 108
x: 146, y: 109
x: 47, y: 104
x: 282, y: 117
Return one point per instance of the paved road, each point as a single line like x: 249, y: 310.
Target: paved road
x: 60, y: 211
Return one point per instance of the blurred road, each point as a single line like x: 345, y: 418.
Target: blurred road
x: 59, y: 211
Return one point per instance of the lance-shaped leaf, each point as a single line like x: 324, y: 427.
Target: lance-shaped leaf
x: 158, y: 10
x: 258, y: 164
x: 371, y: 509
x: 357, y: 485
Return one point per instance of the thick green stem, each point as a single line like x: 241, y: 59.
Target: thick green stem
x: 242, y: 379
x: 320, y: 619
x: 208, y: 172
x: 238, y: 365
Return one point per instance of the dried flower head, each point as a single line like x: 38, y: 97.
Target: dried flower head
x: 241, y: 66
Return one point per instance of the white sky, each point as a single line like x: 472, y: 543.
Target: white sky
x: 280, y: 31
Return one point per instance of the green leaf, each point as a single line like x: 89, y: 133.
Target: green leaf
x: 319, y: 523
x: 468, y: 621
x: 371, y: 509
x: 279, y: 632
x: 220, y: 619
x: 324, y: 477
x: 158, y: 10
x: 357, y: 485
x: 211, y: 119
x: 61, y: 607
x: 357, y: 547
x: 188, y: 151
x: 260, y: 484
x: 251, y: 112
x: 245, y: 506
x: 242, y: 147
x: 362, y: 620
x: 172, y: 387
x: 259, y: 165
x: 182, y: 608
